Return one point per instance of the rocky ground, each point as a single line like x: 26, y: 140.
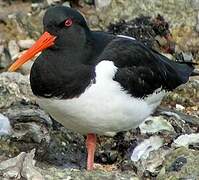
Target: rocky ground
x: 165, y: 146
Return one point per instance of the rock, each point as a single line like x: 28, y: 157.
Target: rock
x: 194, y: 4
x: 11, y: 168
x: 153, y: 162
x: 14, y: 88
x: 51, y: 173
x: 5, y: 127
x: 197, y: 23
x: 53, y: 2
x: 25, y: 69
x: 25, y: 25
x: 155, y: 124
x: 29, y: 171
x: 5, y: 58
x: 186, y: 140
x: 181, y: 163
x: 27, y: 113
x: 25, y: 44
x: 22, y: 166
x: 179, y: 107
x: 192, y: 120
x: 90, y: 2
x: 102, y: 3
x: 37, y: 7
x: 150, y: 31
x: 142, y: 150
x: 184, y: 57
x: 13, y: 49
x: 93, y: 20
x: 67, y: 4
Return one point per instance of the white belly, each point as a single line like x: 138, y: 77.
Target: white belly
x: 104, y: 108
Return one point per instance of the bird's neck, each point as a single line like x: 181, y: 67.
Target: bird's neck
x: 62, y: 72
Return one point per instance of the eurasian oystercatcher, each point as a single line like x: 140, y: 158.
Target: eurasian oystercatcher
x: 94, y: 82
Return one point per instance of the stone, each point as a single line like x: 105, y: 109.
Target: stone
x: 53, y: 2
x: 21, y: 166
x: 186, y: 140
x: 181, y: 163
x: 180, y: 107
x: 25, y: 44
x: 14, y: 88
x: 102, y: 3
x: 142, y: 150
x: 11, y: 168
x: 5, y: 58
x: 155, y: 124
x: 194, y: 4
x: 5, y: 128
x: 13, y: 49
x: 29, y: 171
x: 51, y: 173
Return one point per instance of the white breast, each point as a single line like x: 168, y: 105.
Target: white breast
x: 104, y: 108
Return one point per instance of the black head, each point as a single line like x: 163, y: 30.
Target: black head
x: 64, y: 29
x: 67, y: 24
x: 55, y: 17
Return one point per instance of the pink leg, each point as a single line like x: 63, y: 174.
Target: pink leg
x: 90, y: 145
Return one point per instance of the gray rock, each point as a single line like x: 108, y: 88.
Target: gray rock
x: 29, y: 171
x: 181, y: 163
x: 194, y: 4
x: 14, y: 88
x: 143, y: 149
x: 53, y: 2
x: 197, y: 23
x: 5, y: 127
x: 51, y: 173
x: 13, y: 49
x: 26, y: 25
x: 5, y: 58
x: 11, y: 168
x: 102, y: 3
x: 67, y: 4
x: 155, y: 124
x: 186, y: 140
x: 25, y: 44
x: 21, y: 166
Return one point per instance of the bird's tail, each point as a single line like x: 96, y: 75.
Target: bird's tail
x: 195, y: 72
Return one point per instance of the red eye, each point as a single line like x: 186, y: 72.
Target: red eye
x: 68, y: 22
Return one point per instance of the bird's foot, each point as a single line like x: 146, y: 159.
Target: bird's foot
x: 90, y: 145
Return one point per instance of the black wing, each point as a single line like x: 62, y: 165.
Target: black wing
x: 142, y: 70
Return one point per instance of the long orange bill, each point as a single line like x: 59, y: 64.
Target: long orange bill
x: 46, y: 40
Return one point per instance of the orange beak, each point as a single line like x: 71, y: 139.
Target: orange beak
x: 46, y: 40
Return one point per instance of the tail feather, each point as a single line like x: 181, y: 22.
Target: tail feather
x: 195, y: 72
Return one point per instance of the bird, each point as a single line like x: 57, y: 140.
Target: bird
x: 96, y: 83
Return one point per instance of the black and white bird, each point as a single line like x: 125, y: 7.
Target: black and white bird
x: 94, y: 82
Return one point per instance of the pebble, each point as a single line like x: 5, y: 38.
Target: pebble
x: 186, y: 140
x: 155, y: 124
x: 179, y: 107
x: 26, y: 44
x: 67, y: 4
x: 13, y: 49
x: 102, y: 3
x: 143, y: 149
x: 5, y: 128
x: 197, y: 23
x: 4, y: 57
x: 53, y: 2
x: 194, y: 4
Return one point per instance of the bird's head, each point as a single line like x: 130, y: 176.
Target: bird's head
x: 63, y: 27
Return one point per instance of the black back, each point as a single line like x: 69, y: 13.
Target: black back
x: 68, y: 68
